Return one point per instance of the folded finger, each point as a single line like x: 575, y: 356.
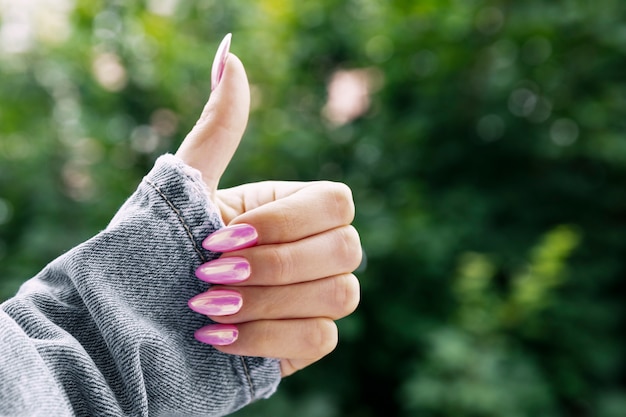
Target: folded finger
x: 309, y: 339
x: 286, y: 212
x: 333, y: 252
x: 334, y: 297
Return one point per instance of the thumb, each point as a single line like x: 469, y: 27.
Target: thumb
x: 212, y: 142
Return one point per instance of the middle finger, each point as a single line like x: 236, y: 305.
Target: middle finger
x: 333, y: 252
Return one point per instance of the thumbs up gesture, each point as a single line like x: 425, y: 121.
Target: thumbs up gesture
x: 288, y: 248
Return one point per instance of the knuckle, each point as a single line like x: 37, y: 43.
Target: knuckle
x: 265, y: 336
x: 350, y: 248
x: 346, y: 295
x: 341, y: 196
x: 283, y: 219
x: 279, y: 260
x: 322, y: 337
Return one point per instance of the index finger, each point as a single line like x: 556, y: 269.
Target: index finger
x: 283, y: 212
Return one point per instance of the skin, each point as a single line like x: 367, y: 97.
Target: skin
x: 301, y: 280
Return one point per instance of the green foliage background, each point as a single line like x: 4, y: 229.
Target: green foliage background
x: 489, y: 176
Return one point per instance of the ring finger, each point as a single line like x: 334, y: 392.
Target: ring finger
x: 334, y: 297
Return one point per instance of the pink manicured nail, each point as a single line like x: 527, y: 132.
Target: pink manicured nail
x: 239, y: 236
x: 217, y: 303
x: 219, y: 62
x: 217, y: 334
x: 224, y: 270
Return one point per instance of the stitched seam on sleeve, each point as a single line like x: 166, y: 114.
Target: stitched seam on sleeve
x: 199, y: 252
x: 180, y: 218
x: 247, y: 372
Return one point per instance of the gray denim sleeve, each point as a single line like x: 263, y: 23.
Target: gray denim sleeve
x: 105, y: 330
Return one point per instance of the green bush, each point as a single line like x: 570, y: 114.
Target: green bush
x: 484, y: 141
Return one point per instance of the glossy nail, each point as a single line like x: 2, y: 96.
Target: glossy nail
x: 217, y: 334
x: 219, y: 62
x: 228, y: 270
x: 230, y: 238
x: 217, y: 303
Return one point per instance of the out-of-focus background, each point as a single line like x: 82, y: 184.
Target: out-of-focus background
x: 485, y: 142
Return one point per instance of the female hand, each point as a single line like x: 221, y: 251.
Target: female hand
x: 289, y: 248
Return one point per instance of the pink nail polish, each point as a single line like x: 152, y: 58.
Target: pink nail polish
x: 219, y: 62
x: 217, y: 334
x: 217, y: 303
x: 228, y: 270
x: 230, y: 238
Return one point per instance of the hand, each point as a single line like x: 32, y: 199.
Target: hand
x: 278, y: 298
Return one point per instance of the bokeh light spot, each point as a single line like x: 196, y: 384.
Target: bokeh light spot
x: 6, y: 211
x: 109, y: 72
x: 368, y: 153
x: 425, y: 63
x: 490, y: 127
x: 522, y: 102
x: 144, y: 139
x: 504, y: 54
x: 78, y: 181
x: 106, y: 25
x: 489, y: 20
x: 163, y: 7
x: 564, y: 132
x: 542, y: 111
x: 86, y: 151
x: 27, y: 22
x: 536, y: 50
x: 16, y: 33
x: 379, y: 49
x: 164, y: 122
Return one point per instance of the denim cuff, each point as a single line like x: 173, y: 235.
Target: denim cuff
x: 184, y: 191
x: 105, y: 329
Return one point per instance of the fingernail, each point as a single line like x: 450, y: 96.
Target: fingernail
x: 219, y: 62
x: 217, y: 334
x: 224, y: 270
x: 217, y: 303
x: 239, y: 236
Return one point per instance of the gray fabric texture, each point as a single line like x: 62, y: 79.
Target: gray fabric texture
x: 105, y: 330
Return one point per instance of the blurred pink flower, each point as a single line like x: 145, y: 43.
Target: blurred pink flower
x: 349, y: 94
